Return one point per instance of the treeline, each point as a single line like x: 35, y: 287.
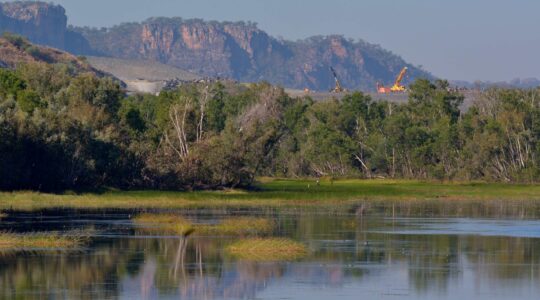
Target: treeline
x: 62, y: 130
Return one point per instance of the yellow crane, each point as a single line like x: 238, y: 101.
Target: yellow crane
x: 397, y: 87
x: 338, y: 88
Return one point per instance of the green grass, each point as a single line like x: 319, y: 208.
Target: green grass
x: 238, y: 226
x: 175, y: 224
x: 163, y: 223
x: 267, y: 249
x: 278, y: 193
x: 11, y: 241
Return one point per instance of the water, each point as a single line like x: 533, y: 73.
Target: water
x: 374, y: 251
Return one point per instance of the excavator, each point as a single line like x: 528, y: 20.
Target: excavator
x: 338, y: 88
x: 397, y: 87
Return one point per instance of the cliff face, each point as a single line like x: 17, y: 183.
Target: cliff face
x: 235, y: 50
x: 44, y: 24
x: 41, y: 23
x: 246, y: 53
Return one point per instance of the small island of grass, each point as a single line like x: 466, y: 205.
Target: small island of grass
x: 12, y: 241
x: 176, y: 224
x: 267, y: 249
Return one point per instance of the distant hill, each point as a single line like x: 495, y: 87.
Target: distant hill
x: 16, y: 50
x: 239, y: 50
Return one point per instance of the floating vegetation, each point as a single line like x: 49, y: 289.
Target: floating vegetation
x: 175, y: 224
x: 267, y: 249
x: 164, y: 223
x: 349, y: 224
x: 31, y: 241
x: 239, y: 226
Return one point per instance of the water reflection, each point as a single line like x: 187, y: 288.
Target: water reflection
x: 370, y: 254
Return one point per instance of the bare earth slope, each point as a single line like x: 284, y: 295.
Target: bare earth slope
x: 130, y: 69
x: 140, y: 76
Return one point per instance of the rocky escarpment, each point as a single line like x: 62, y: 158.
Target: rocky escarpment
x: 237, y: 50
x: 41, y: 23
x: 244, y: 52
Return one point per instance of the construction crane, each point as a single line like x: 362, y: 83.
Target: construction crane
x: 338, y: 88
x: 397, y: 87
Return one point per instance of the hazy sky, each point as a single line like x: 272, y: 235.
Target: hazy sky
x: 454, y: 39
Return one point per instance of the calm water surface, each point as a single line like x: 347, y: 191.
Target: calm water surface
x: 372, y: 251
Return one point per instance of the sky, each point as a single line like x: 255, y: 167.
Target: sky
x: 489, y: 40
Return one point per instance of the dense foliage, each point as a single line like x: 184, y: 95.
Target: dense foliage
x: 62, y: 130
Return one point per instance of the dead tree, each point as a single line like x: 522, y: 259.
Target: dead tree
x: 202, y: 109
x: 178, y: 142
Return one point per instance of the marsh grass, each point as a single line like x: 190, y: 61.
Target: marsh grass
x: 32, y: 241
x: 2, y: 215
x: 267, y: 249
x: 175, y: 224
x: 239, y: 226
x: 278, y: 193
x: 163, y: 224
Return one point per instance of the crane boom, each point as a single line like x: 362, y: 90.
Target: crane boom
x: 397, y: 87
x: 400, y: 76
x: 338, y: 88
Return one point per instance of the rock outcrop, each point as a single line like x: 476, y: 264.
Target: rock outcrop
x: 41, y: 23
x: 242, y: 51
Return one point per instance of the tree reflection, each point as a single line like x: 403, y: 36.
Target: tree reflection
x: 345, y: 249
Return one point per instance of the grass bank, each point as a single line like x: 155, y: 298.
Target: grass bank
x: 277, y: 193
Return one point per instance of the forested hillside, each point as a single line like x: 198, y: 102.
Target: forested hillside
x: 63, y: 130
x: 16, y: 51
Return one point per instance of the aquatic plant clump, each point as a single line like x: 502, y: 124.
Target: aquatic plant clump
x: 164, y: 223
x: 240, y: 226
x: 267, y: 249
x: 175, y: 224
x: 12, y: 241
